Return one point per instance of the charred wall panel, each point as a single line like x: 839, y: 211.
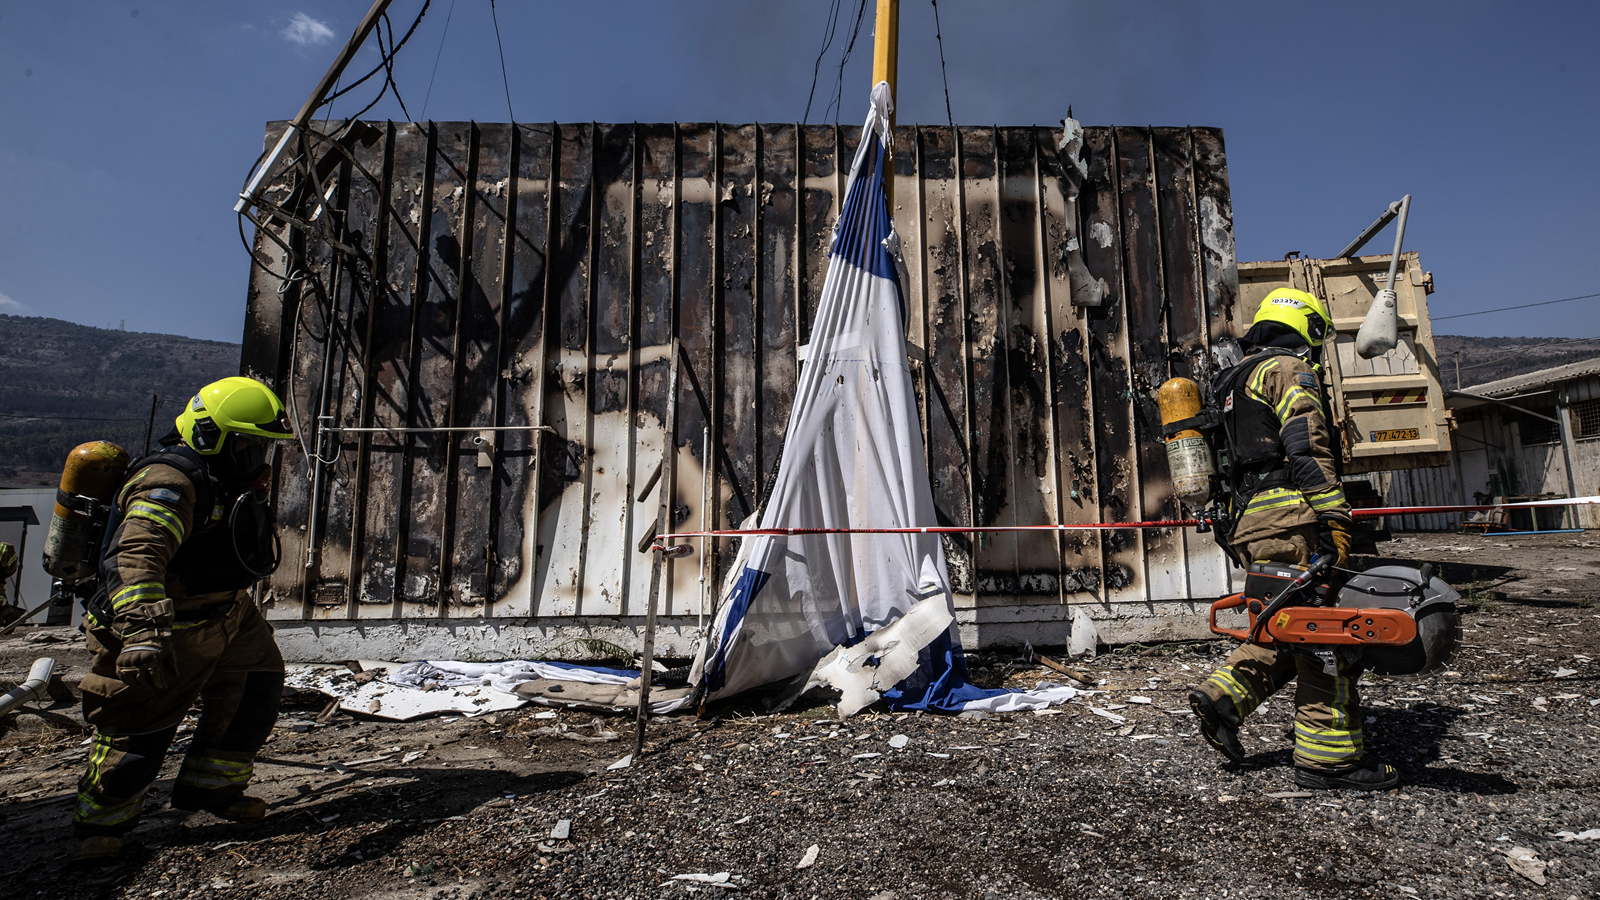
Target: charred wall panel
x: 527, y: 282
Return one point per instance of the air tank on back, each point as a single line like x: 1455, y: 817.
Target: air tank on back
x: 1188, y: 453
x: 89, y: 480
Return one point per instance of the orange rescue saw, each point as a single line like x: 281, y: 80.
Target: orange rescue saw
x: 1404, y: 619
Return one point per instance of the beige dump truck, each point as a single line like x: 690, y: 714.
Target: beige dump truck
x: 1388, y: 411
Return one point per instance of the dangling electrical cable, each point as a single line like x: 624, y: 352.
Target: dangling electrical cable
x: 389, y: 65
x: 503, y: 79
x: 838, y: 87
x: 938, y: 35
x: 827, y: 31
x: 436, y: 58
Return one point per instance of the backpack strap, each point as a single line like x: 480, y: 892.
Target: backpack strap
x: 193, y: 466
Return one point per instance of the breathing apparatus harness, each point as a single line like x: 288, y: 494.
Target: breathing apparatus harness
x: 232, y: 542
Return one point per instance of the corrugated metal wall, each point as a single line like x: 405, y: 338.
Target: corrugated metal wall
x: 534, y: 275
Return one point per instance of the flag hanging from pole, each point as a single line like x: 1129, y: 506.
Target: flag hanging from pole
x: 852, y: 458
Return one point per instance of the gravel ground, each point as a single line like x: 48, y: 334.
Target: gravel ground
x: 1112, y: 795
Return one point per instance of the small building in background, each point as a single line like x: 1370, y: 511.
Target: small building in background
x: 1531, y: 436
x: 24, y: 516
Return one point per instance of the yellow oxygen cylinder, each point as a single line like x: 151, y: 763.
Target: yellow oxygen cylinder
x: 1188, y: 454
x: 90, y: 479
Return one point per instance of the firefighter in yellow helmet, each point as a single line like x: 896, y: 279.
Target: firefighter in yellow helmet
x: 1281, y: 478
x: 174, y: 623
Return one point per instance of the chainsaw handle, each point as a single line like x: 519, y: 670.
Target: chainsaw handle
x: 1226, y: 603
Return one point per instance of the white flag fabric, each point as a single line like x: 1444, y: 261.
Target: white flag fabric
x: 852, y: 458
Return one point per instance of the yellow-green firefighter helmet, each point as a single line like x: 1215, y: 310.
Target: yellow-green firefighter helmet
x: 232, y: 406
x: 1298, y: 310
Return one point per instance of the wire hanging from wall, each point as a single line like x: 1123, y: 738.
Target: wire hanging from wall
x: 828, y: 32
x: 838, y: 86
x: 436, y: 57
x: 503, y: 79
x: 938, y: 35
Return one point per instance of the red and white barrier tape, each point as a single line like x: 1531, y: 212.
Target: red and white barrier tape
x: 1099, y: 526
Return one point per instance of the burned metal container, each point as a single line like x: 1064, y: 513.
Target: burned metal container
x: 522, y: 286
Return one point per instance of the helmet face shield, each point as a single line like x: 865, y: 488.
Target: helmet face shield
x: 243, y: 460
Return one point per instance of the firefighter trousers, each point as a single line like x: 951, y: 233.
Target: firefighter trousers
x: 1327, y: 699
x: 231, y: 664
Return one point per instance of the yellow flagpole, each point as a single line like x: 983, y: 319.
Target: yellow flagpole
x: 885, y: 63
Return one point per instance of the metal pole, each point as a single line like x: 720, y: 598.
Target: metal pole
x: 647, y: 656
x: 155, y: 400
x: 1355, y: 246
x: 885, y: 67
x: 1399, y: 236
x: 1568, y: 450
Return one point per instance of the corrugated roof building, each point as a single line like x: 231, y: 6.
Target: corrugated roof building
x: 1530, y: 435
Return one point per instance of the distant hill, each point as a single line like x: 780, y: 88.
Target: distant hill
x: 76, y: 372
x: 1490, y: 359
x: 71, y: 373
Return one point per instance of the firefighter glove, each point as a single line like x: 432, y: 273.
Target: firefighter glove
x: 1334, y: 539
x: 146, y: 662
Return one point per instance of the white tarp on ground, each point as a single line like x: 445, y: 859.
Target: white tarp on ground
x: 539, y: 682
x: 853, y: 458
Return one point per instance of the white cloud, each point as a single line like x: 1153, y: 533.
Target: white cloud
x: 302, y: 29
x: 12, y: 308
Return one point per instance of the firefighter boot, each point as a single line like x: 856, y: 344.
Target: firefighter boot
x: 98, y: 849
x: 1372, y: 776
x: 1219, y: 724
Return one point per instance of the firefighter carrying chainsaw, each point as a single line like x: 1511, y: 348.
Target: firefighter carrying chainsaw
x: 187, y: 533
x: 1280, y: 501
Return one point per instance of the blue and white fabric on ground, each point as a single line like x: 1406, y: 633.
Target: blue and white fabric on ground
x: 853, y: 458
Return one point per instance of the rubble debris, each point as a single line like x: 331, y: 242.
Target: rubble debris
x: 810, y: 857
x: 1527, y: 863
x: 861, y: 672
x: 384, y: 699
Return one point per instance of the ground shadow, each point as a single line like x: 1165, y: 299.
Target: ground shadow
x: 407, y: 809
x: 1412, y: 740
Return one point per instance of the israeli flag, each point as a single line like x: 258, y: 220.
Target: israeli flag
x: 853, y: 458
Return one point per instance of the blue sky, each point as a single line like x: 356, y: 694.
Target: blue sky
x: 130, y: 125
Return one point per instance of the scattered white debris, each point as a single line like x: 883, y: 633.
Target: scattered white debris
x: 1563, y: 672
x: 1592, y: 834
x: 899, y: 742
x: 412, y: 757
x: 547, y: 714
x: 938, y: 755
x: 866, y: 756
x: 1107, y: 714
x: 744, y: 821
x: 721, y: 879
x: 562, y: 830
x: 622, y: 763
x: 809, y: 858
x: 1526, y: 863
x: 1144, y: 700
x: 1290, y: 795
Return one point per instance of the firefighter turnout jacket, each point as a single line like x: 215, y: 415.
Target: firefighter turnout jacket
x: 181, y: 554
x: 1278, y: 460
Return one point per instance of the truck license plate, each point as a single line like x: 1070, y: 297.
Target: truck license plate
x: 1396, y: 434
